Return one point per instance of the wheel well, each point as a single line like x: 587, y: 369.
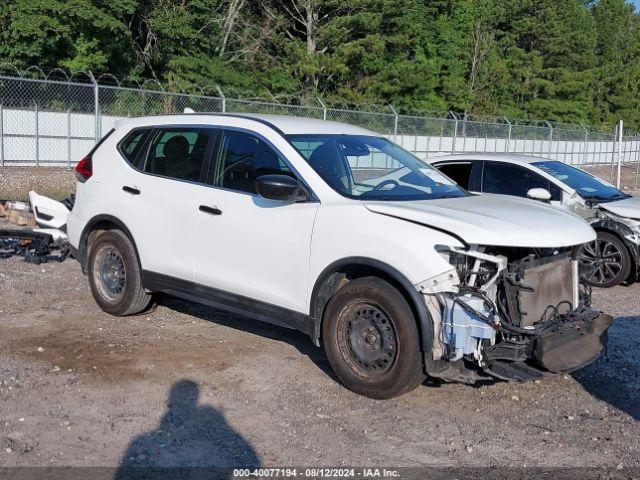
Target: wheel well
x: 333, y: 279
x: 93, y: 230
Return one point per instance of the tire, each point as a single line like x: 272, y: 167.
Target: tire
x: 371, y: 339
x: 606, y: 262
x: 114, y: 275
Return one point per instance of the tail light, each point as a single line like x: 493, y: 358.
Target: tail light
x: 84, y: 169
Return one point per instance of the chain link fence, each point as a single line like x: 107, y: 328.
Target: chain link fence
x: 47, y: 121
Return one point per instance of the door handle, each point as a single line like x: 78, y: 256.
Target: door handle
x: 131, y: 190
x: 210, y: 210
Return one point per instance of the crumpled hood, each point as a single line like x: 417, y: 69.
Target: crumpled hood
x: 627, y: 207
x: 493, y: 220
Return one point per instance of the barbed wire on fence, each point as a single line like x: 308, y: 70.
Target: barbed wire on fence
x: 54, y: 117
x: 287, y: 99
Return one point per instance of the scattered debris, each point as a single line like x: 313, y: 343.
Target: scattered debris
x: 24, y: 218
x: 35, y: 247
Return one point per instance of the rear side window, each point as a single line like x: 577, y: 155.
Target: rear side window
x: 458, y: 172
x: 132, y: 144
x: 178, y: 153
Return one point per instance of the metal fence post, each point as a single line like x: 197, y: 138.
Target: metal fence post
x: 583, y: 160
x: 620, y: 152
x: 324, y: 107
x: 508, y: 146
x: 637, y: 142
x: 68, y: 138
x: 550, y: 140
x: 37, y: 132
x: 96, y: 106
x: 1, y: 136
x: 613, y: 154
x: 395, y: 123
x: 455, y: 133
x: 223, y: 97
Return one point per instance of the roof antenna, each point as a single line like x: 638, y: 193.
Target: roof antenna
x: 189, y: 110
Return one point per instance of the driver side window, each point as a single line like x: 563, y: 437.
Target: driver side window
x: 506, y: 179
x: 243, y: 157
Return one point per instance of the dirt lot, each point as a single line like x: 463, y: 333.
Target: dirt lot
x: 188, y: 385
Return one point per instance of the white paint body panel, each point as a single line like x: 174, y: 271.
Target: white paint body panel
x: 47, y: 206
x: 258, y: 248
x: 628, y: 207
x: 494, y: 220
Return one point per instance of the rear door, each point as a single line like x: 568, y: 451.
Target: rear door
x: 158, y: 197
x: 245, y: 244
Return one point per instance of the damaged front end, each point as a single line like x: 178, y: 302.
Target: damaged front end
x: 511, y: 314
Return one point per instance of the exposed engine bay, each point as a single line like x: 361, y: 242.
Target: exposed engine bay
x: 512, y: 314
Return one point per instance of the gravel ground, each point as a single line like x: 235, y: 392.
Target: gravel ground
x: 189, y: 385
x: 54, y: 182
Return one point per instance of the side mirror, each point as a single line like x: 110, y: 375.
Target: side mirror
x: 278, y: 187
x: 541, y: 194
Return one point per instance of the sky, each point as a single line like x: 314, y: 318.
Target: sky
x: 636, y: 3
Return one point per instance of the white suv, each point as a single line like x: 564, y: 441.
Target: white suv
x: 335, y: 231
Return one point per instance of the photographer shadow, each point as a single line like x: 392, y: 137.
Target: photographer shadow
x: 192, y: 441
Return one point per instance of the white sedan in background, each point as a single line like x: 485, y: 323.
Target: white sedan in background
x: 613, y: 258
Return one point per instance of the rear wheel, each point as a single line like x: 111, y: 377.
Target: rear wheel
x: 114, y: 275
x: 371, y: 339
x: 605, y: 262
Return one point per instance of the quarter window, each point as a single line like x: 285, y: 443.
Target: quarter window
x: 178, y: 153
x: 244, y: 157
x: 133, y: 143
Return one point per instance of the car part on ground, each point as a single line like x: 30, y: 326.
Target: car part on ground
x: 50, y: 213
x: 35, y: 247
x: 18, y: 213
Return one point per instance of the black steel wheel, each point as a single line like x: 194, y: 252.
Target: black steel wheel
x: 605, y: 262
x: 114, y: 275
x: 371, y: 339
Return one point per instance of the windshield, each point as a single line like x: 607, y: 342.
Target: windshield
x: 373, y: 168
x: 587, y: 186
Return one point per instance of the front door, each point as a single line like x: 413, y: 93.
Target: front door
x: 245, y: 244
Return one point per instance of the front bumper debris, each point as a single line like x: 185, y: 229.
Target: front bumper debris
x: 512, y: 317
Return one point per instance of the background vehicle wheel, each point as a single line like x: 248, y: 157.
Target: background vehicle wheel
x: 114, y: 275
x: 371, y: 339
x: 605, y: 262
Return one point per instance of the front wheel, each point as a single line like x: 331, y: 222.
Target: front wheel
x: 605, y: 262
x: 371, y: 339
x: 114, y: 275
